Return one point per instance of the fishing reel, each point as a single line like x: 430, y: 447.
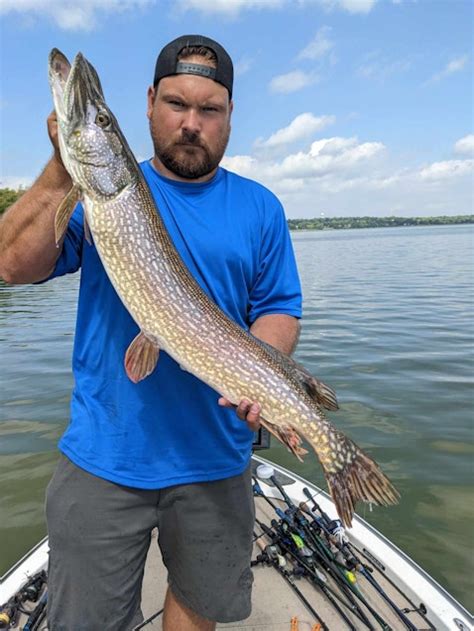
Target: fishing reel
x: 8, y: 614
x: 30, y: 591
x: 270, y: 555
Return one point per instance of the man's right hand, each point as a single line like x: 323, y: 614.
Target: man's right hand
x: 52, y: 123
x: 28, y: 249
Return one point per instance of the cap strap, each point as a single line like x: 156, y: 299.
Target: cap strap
x: 183, y: 67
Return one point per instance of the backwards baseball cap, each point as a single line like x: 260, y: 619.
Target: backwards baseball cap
x: 167, y: 63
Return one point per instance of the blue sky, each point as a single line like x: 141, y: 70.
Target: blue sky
x: 341, y: 107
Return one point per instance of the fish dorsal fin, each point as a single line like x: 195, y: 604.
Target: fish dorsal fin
x: 64, y: 212
x: 317, y: 390
x: 141, y: 358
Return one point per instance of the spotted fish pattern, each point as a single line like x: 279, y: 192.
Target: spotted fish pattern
x: 169, y: 306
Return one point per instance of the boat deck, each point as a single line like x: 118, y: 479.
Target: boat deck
x: 274, y: 603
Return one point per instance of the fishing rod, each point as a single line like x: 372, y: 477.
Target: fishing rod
x: 297, y: 539
x: 37, y: 615
x: 331, y: 567
x: 148, y: 620
x: 316, y: 577
x: 334, y: 527
x: 319, y: 548
x: 349, y: 578
x: 271, y: 556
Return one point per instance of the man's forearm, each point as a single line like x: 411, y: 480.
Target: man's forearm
x: 280, y: 330
x: 28, y: 250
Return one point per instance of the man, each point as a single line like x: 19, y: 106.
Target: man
x: 160, y: 452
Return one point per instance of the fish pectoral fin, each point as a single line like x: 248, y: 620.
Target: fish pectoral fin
x: 141, y: 358
x: 64, y: 212
x: 317, y: 390
x: 288, y: 436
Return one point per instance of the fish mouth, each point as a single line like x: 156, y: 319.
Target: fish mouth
x: 75, y: 87
x: 83, y: 88
x: 58, y: 71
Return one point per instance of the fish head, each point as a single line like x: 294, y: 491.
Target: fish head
x: 92, y: 146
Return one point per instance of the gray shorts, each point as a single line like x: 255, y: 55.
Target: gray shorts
x: 99, y: 535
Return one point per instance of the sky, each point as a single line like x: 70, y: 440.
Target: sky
x: 341, y: 107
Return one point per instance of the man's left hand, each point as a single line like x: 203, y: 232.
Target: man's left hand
x: 246, y: 410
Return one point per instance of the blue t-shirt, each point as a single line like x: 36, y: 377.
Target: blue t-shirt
x: 168, y: 429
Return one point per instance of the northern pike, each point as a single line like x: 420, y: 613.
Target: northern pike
x: 171, y: 310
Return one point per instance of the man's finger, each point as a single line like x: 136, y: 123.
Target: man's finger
x: 243, y: 408
x: 225, y: 403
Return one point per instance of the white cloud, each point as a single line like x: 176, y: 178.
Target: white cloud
x: 15, y: 181
x: 83, y: 14
x: 465, y: 145
x: 378, y: 67
x: 242, y: 66
x: 455, y: 65
x: 348, y: 177
x: 328, y: 156
x: 71, y: 16
x: 301, y: 127
x: 243, y: 165
x: 351, y: 6
x: 357, y: 6
x: 232, y: 8
x: 292, y: 81
x: 320, y: 46
x: 229, y: 8
x: 438, y: 171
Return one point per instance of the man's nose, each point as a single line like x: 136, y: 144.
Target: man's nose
x: 192, y: 120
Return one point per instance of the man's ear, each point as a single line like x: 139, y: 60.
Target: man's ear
x: 151, y: 94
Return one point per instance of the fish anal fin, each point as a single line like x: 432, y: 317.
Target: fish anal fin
x: 64, y: 212
x: 288, y: 436
x: 141, y: 358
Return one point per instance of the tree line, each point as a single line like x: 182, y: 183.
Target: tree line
x: 341, y: 223
x: 8, y: 196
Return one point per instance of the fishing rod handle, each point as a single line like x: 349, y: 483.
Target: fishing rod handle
x: 282, y: 491
x: 326, y: 517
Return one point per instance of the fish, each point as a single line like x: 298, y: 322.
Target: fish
x: 172, y: 311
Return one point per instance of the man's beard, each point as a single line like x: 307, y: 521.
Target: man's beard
x: 189, y: 157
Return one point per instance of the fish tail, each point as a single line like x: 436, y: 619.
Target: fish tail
x: 351, y: 476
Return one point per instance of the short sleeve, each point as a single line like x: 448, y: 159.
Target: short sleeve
x: 69, y: 260
x: 277, y: 287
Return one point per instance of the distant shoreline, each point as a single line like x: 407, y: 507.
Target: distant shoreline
x: 8, y: 197
x: 353, y: 223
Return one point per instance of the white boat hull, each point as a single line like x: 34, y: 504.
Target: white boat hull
x: 443, y: 611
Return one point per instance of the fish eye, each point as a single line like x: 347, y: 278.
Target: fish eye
x: 102, y: 119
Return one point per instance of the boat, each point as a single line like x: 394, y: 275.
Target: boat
x: 310, y: 574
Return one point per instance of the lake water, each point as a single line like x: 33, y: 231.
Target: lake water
x: 388, y: 322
